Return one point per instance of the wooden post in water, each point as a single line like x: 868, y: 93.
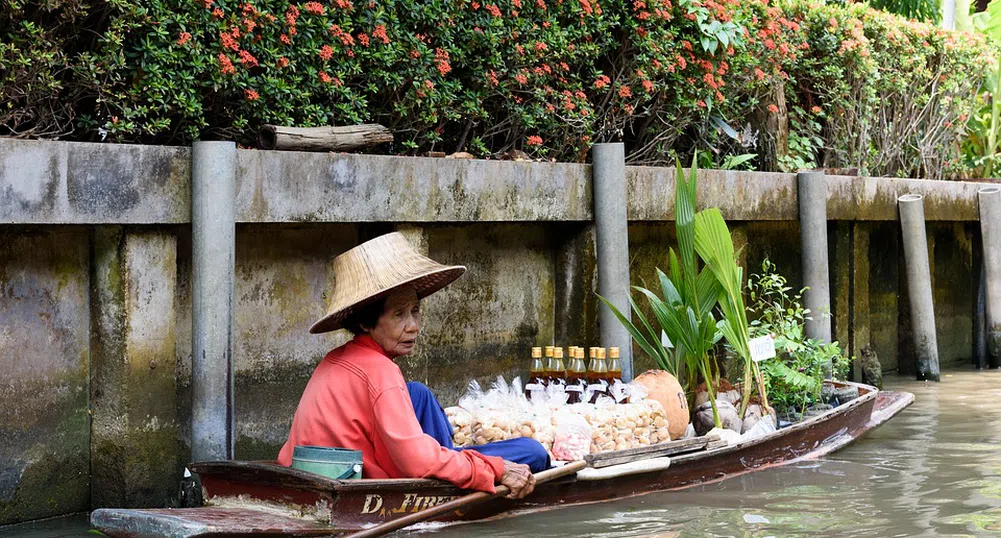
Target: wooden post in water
x: 990, y: 232
x: 912, y: 223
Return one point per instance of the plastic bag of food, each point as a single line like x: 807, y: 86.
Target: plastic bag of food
x: 573, y: 436
x: 462, y: 425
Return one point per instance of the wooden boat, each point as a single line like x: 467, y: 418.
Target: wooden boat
x: 265, y: 499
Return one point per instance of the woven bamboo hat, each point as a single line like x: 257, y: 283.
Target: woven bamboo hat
x: 375, y: 268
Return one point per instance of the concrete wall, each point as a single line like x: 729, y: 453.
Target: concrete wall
x: 95, y: 288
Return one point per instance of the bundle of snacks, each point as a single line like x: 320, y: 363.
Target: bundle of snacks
x: 462, y: 426
x: 504, y: 413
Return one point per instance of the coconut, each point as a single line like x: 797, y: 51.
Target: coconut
x: 663, y: 387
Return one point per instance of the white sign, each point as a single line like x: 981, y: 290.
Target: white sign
x: 665, y: 341
x: 762, y: 347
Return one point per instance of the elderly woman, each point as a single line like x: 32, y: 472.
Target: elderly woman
x: 357, y: 397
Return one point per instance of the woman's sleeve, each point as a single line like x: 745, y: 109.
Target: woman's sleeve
x: 419, y: 456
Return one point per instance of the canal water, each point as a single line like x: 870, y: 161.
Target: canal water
x: 934, y: 470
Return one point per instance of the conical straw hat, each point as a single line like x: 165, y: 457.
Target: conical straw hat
x: 373, y: 269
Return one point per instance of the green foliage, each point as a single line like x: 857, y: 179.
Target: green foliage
x: 550, y: 77
x: 794, y: 378
x: 980, y: 147
x: 924, y: 10
x: 805, y: 142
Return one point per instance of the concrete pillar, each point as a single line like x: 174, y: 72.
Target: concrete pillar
x: 912, y: 223
x: 213, y: 245
x: 990, y: 231
x: 812, y: 193
x: 612, y: 244
x: 136, y: 451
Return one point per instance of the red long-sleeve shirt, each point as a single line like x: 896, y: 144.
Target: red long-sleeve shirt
x: 357, y: 398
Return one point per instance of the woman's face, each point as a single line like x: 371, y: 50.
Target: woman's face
x: 400, y: 323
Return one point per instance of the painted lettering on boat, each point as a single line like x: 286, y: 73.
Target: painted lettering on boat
x: 412, y: 502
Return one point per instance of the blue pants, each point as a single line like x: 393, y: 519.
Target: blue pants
x: 434, y: 423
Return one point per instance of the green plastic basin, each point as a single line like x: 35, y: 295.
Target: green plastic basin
x: 336, y: 463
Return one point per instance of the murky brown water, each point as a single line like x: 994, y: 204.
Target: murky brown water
x: 934, y: 470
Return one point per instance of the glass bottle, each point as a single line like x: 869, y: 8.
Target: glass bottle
x: 537, y: 373
x: 597, y: 375
x: 548, y: 363
x: 614, y: 365
x: 557, y: 371
x: 576, y: 376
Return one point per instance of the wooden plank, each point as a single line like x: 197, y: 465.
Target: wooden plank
x: 323, y: 138
x: 617, y: 457
x: 716, y: 444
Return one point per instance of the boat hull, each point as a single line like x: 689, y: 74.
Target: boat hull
x: 301, y: 504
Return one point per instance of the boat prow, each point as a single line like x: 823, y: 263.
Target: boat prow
x: 266, y: 499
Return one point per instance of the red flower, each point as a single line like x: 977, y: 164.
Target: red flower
x: 184, y: 38
x: 648, y: 86
x: 701, y: 103
x: 343, y: 4
x: 601, y: 82
x: 494, y: 10
x: 769, y: 44
x: 324, y: 77
x: 516, y: 3
x: 228, y: 41
x: 540, y: 46
x: 380, y: 33
x: 629, y: 109
x: 285, y: 39
x: 326, y: 52
x: 521, y: 78
x: 773, y: 109
x: 363, y: 39
x: 282, y: 62
x: 816, y: 110
x: 428, y: 84
x: 759, y: 74
x: 541, y: 4
x: 492, y: 78
x: 534, y: 140
x: 414, y: 54
x: 252, y: 95
x: 217, y: 13
x: 624, y: 91
x: 315, y: 8
x: 208, y: 3
x: 248, y: 59
x: 226, y: 65
x: 586, y: 5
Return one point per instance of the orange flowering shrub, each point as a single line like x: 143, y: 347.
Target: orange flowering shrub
x: 549, y: 77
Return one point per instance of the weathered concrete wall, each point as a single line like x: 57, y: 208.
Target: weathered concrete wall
x: 136, y: 451
x: 44, y: 357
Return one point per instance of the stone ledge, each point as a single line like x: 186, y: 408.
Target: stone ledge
x: 49, y: 182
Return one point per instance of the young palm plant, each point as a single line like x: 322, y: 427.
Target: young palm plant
x: 684, y: 311
x: 715, y: 246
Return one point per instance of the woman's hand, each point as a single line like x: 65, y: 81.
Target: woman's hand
x: 519, y: 478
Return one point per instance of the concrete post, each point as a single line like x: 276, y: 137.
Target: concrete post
x: 990, y: 231
x: 612, y: 244
x: 912, y: 223
x: 213, y: 249
x: 813, y: 236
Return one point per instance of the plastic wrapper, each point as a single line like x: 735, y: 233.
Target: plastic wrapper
x: 462, y: 425
x: 573, y: 436
x: 503, y: 412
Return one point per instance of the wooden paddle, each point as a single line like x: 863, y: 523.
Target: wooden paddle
x: 463, y: 502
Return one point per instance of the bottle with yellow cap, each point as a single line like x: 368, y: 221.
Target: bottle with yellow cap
x: 597, y: 375
x: 557, y: 371
x: 576, y: 376
x: 537, y: 373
